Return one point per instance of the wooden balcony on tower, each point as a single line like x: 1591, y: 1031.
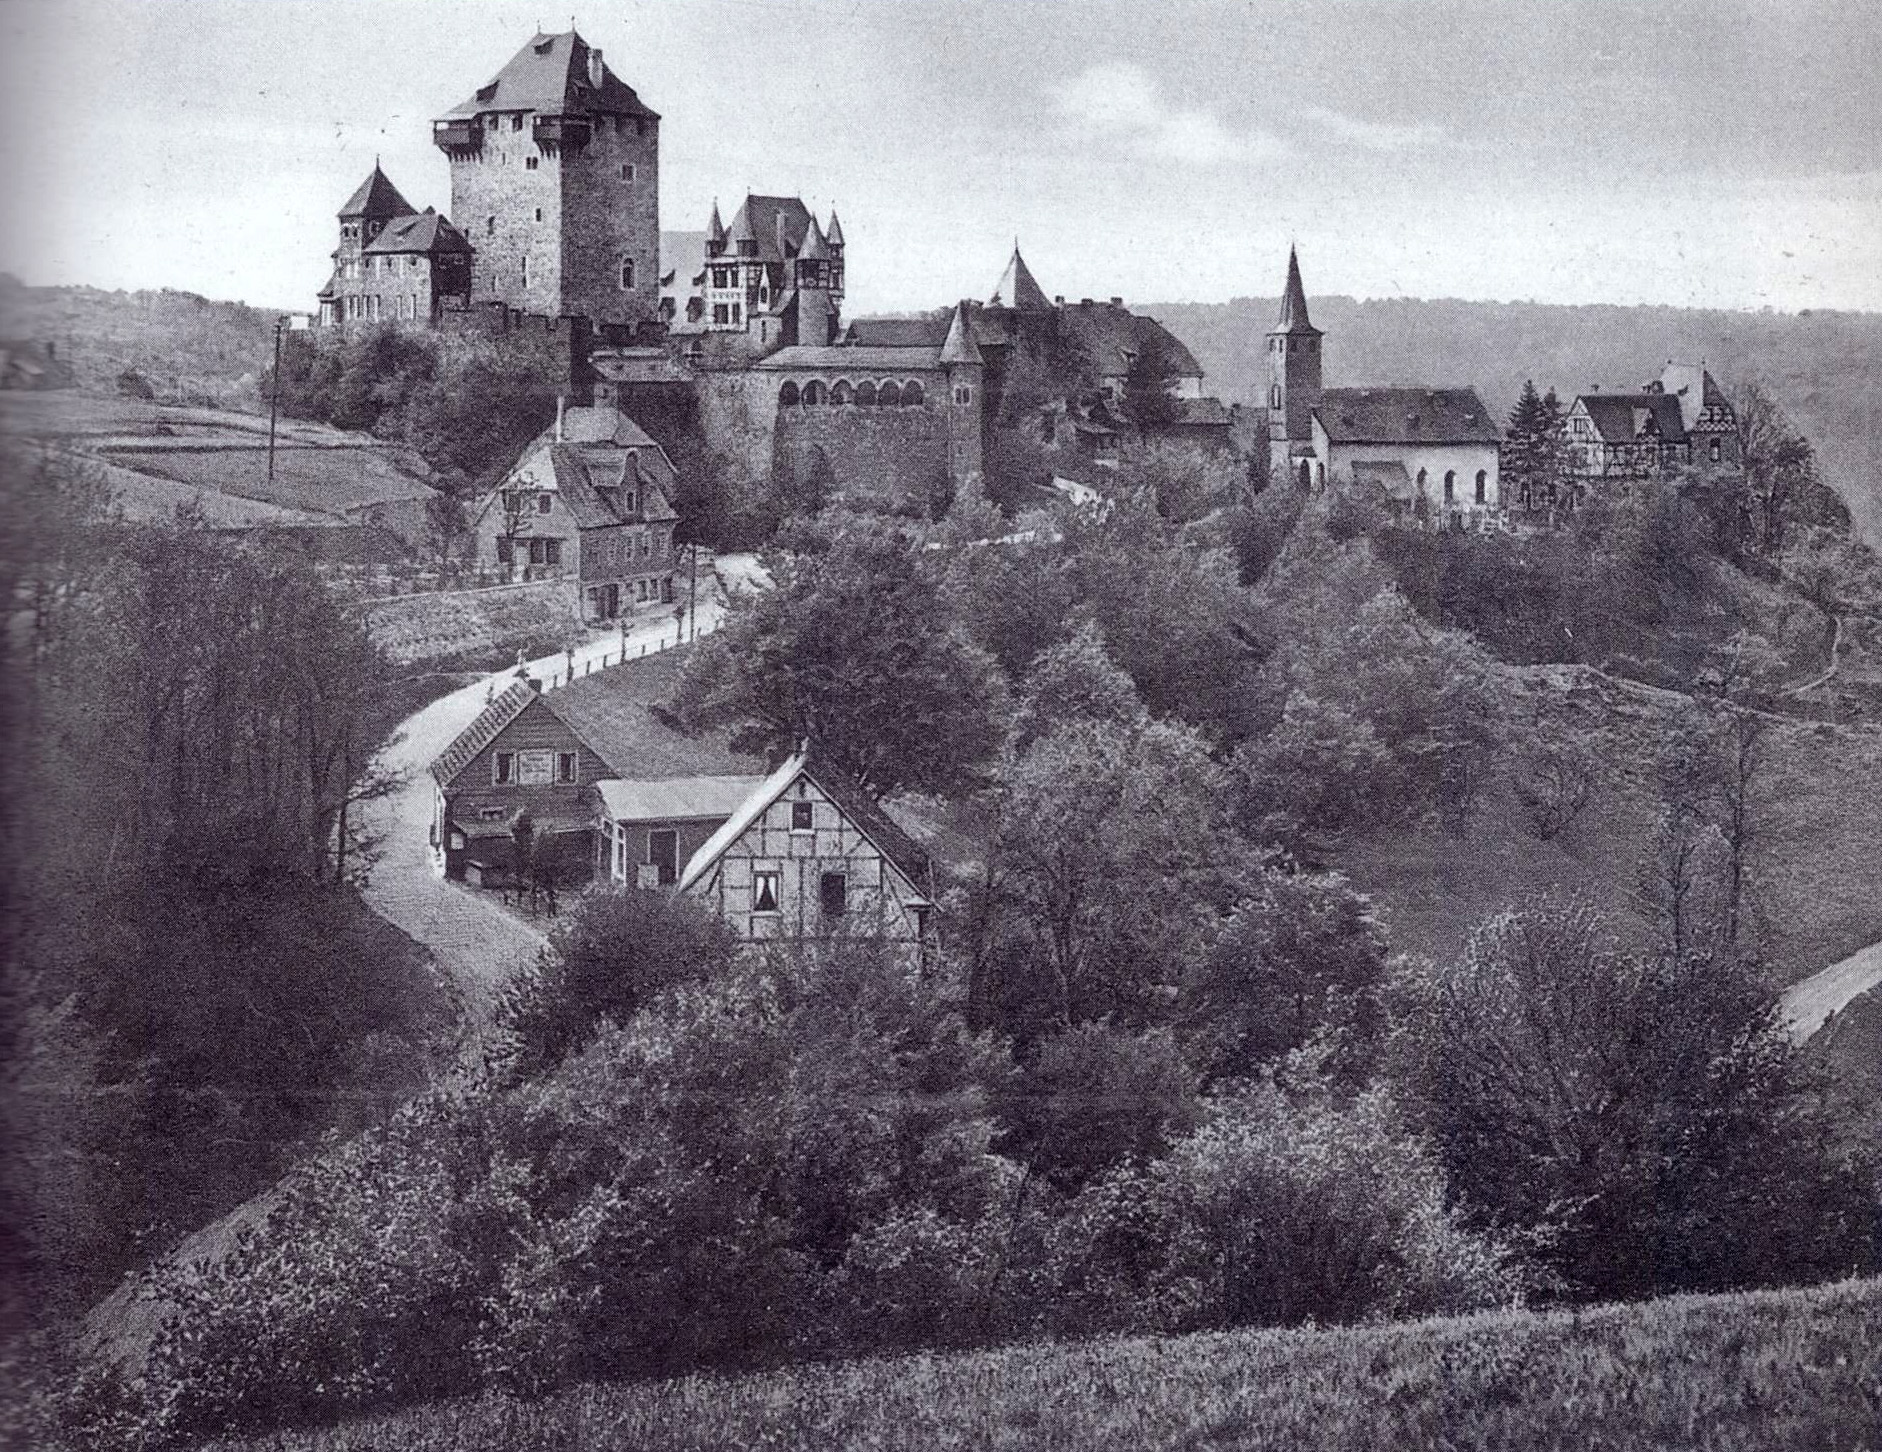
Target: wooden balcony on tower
x: 458, y: 135
x: 554, y: 132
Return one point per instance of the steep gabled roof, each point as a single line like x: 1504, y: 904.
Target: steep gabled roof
x: 1405, y: 416
x: 864, y: 814
x: 1622, y: 418
x: 424, y: 231
x: 480, y: 733
x: 1293, y: 317
x: 590, y: 499
x: 1110, y: 335
x: 757, y: 220
x: 1017, y: 289
x: 928, y: 332
x: 549, y: 76
x: 376, y: 197
x: 621, y: 715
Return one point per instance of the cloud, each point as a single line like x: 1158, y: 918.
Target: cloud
x: 1376, y: 135
x: 1123, y: 103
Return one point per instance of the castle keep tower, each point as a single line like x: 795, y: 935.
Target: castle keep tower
x: 555, y: 180
x: 1293, y: 377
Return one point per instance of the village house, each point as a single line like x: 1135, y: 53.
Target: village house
x: 589, y: 500
x: 1429, y: 455
x: 808, y: 854
x: 1681, y: 417
x: 615, y: 793
x: 546, y: 753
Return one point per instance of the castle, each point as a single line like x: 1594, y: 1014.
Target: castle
x: 554, y: 233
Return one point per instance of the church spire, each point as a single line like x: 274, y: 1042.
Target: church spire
x: 1293, y: 317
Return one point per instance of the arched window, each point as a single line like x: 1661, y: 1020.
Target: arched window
x: 787, y: 395
x: 1274, y: 395
x: 889, y: 395
x: 866, y: 394
x: 841, y: 392
x: 1320, y: 475
x: 1306, y: 475
x: 1421, y: 481
x: 912, y: 395
x: 814, y: 393
x: 1483, y: 486
x: 1715, y: 451
x: 1450, y: 485
x: 627, y: 274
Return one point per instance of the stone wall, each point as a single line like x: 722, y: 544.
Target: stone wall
x: 880, y: 458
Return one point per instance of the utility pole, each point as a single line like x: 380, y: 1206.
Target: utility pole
x: 692, y: 592
x: 274, y: 394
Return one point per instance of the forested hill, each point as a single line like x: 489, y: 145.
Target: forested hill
x: 1825, y: 367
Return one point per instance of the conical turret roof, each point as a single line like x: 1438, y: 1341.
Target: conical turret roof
x: 715, y: 229
x: 814, y: 248
x: 959, y: 346
x: 1017, y: 289
x: 377, y: 197
x: 1293, y: 317
x: 835, y: 234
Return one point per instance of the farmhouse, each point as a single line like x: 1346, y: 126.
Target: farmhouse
x: 615, y: 792
x: 589, y: 500
x: 808, y: 854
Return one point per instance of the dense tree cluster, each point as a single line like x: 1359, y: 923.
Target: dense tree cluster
x: 192, y: 987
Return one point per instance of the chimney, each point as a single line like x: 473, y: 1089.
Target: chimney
x: 779, y: 219
x: 1058, y: 300
x: 1117, y: 302
x: 594, y: 66
x: 561, y: 402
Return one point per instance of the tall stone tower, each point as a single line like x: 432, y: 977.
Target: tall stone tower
x: 967, y: 377
x: 555, y: 179
x: 1293, y: 378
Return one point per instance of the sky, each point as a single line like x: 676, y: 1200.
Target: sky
x: 1711, y: 154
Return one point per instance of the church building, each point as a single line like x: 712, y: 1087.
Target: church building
x: 1427, y: 454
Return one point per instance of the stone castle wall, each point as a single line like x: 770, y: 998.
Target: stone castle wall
x: 884, y: 458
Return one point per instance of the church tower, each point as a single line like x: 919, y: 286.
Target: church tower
x: 555, y: 180
x: 1293, y: 378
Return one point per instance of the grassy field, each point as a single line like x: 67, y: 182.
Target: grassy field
x: 1817, y: 857
x: 1798, y: 1369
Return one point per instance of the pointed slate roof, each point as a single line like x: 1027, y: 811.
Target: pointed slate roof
x: 377, y: 197
x: 835, y: 234
x: 715, y: 230
x: 549, y: 76
x: 424, y: 231
x: 814, y: 248
x: 761, y: 220
x: 1293, y: 317
x: 1017, y: 289
x: 959, y: 346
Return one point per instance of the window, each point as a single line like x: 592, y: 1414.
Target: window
x: 735, y: 313
x: 503, y: 772
x: 505, y: 551
x: 525, y: 269
x: 1450, y: 485
x: 963, y: 395
x: 1715, y: 451
x: 841, y: 392
x: 516, y: 122
x: 833, y: 894
x: 565, y: 768
x: 544, y: 502
x: 889, y: 395
x: 552, y: 550
x: 627, y: 274
x: 787, y: 395
x: 921, y: 919
x: 1274, y: 395
x: 644, y: 545
x: 627, y: 172
x: 1483, y: 486
x: 813, y: 393
x: 911, y: 395
x: 866, y: 395
x: 721, y: 313
x: 539, y: 214
x: 803, y: 816
x: 1421, y: 481
x: 764, y: 890
x: 529, y: 164
x: 490, y: 226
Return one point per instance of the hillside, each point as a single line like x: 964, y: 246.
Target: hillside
x: 1825, y: 367
x: 1771, y: 1369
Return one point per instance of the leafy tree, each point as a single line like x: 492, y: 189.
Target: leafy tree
x: 447, y: 524
x: 1318, y: 771
x: 1149, y: 399
x: 1110, y: 851
x: 852, y: 651
x: 1303, y: 956
x: 1075, y: 681
x: 1782, y: 486
x: 1640, y: 1117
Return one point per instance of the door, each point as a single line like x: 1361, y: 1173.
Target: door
x: 663, y: 853
x: 614, y: 601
